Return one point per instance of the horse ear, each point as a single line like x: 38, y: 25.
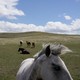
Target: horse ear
x: 47, y: 51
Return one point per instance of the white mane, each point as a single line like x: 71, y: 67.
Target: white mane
x: 55, y: 48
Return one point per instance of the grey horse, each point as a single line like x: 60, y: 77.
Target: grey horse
x: 46, y: 66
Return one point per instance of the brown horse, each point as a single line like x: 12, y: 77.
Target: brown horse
x: 28, y: 43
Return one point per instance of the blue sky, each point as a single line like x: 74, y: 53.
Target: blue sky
x: 54, y: 16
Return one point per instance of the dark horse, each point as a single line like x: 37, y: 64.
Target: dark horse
x: 33, y: 44
x: 21, y: 42
x: 28, y: 43
x: 23, y: 51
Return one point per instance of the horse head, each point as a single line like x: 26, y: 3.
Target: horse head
x: 50, y: 65
x: 20, y: 49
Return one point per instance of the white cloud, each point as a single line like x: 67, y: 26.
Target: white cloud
x: 8, y: 9
x: 13, y: 27
x: 75, y: 25
x: 52, y: 27
x: 57, y: 27
x: 67, y: 17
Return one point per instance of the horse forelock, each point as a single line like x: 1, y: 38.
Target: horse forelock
x: 55, y: 49
x: 59, y: 49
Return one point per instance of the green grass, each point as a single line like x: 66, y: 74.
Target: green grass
x: 10, y: 58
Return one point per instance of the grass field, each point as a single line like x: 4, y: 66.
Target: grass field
x: 10, y: 59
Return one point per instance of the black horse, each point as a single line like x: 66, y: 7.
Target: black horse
x: 23, y: 51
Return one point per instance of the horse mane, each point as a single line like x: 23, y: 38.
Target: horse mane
x: 59, y: 49
x: 56, y: 49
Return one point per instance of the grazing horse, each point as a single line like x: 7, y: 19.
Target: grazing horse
x: 28, y: 43
x: 21, y: 42
x: 33, y: 45
x: 23, y: 51
x: 47, y: 66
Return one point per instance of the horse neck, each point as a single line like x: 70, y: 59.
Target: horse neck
x: 35, y: 70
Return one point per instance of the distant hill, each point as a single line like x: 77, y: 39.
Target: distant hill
x: 37, y: 37
x: 24, y: 34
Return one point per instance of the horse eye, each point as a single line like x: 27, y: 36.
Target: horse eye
x: 56, y: 67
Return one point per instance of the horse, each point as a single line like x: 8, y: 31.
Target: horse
x: 28, y: 43
x: 21, y: 42
x: 23, y: 51
x: 33, y: 45
x: 47, y: 65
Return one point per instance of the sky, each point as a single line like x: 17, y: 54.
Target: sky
x: 53, y: 16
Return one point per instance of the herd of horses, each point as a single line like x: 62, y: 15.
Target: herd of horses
x: 29, y: 44
x: 23, y: 50
x: 45, y: 65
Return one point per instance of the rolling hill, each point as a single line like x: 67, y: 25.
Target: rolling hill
x: 37, y: 37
